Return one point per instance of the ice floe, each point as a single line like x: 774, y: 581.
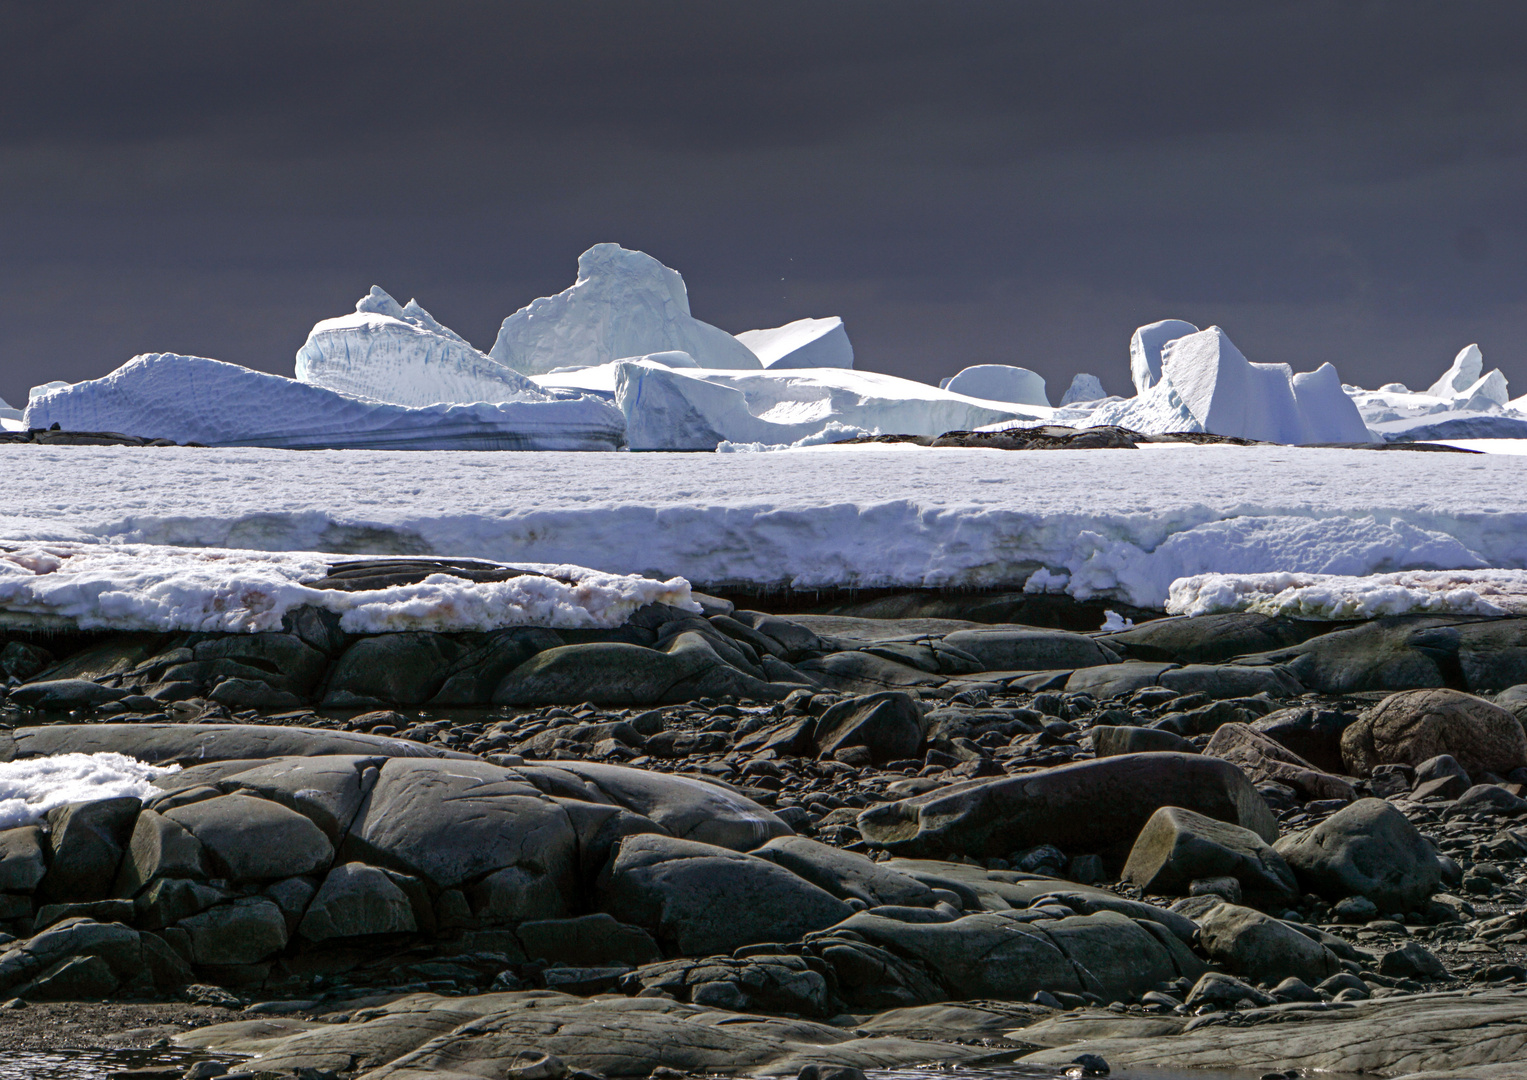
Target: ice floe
x: 193, y: 399
x: 1342, y: 596
x: 804, y: 343
x: 162, y: 587
x: 624, y: 303
x: 402, y: 356
x: 1123, y: 524
x: 30, y: 788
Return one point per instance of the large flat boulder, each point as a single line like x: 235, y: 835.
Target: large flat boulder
x: 846, y: 874
x: 1178, y: 846
x: 698, y: 899
x: 1004, y: 649
x: 1084, y: 807
x: 253, y: 839
x: 192, y: 744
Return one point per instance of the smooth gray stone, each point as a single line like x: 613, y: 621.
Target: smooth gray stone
x: 243, y: 931
x: 1113, y: 741
x: 1030, y: 649
x: 846, y: 874
x: 22, y: 863
x: 889, y: 725
x: 1232, y: 680
x: 1414, y: 726
x: 193, y: 744
x: 327, y: 790
x: 1178, y: 846
x: 587, y: 940
x: 160, y: 847
x: 64, y: 694
x: 1260, y: 947
x: 86, y: 842
x: 356, y: 900
x: 252, y: 839
x: 1210, y: 639
x: 1367, y: 849
x: 1114, y: 679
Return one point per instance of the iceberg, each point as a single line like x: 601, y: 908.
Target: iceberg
x: 1465, y: 403
x: 45, y: 388
x: 194, y: 399
x: 669, y: 409
x: 1466, y: 369
x: 8, y: 413
x: 999, y: 382
x: 1083, y: 388
x: 1145, y: 350
x: 402, y: 356
x: 805, y: 343
x: 624, y: 303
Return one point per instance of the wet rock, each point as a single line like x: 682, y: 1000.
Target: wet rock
x: 1178, y: 847
x: 698, y: 900
x: 889, y: 726
x: 1084, y: 807
x: 1113, y: 741
x: 1416, y: 725
x: 1266, y: 761
x: 250, y: 839
x: 1369, y: 849
x: 1261, y: 947
x: 87, y: 841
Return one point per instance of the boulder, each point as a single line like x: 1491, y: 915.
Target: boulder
x: 60, y: 695
x: 160, y: 848
x: 22, y: 862
x: 250, y: 839
x: 1112, y: 680
x: 1030, y: 650
x: 698, y: 899
x: 326, y: 790
x: 1209, y: 639
x: 760, y: 982
x: 357, y: 900
x: 473, y: 676
x: 1368, y: 849
x: 243, y: 931
x: 888, y: 725
x: 1263, y: 948
x: 1268, y: 762
x: 131, y: 957
x: 1491, y: 799
x: 1232, y: 680
x: 846, y: 874
x: 1085, y: 807
x: 1514, y: 700
x: 404, y: 669
x: 1227, y: 992
x: 1178, y: 846
x: 87, y: 841
x: 1114, y: 741
x: 1395, y: 653
x: 1414, y: 725
x: 616, y: 673
x: 1312, y: 733
x: 1412, y: 961
x: 194, y: 744
x: 1440, y: 776
x: 455, y: 825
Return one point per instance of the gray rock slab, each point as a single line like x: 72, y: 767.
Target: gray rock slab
x: 244, y: 931
x: 1178, y: 846
x: 846, y: 874
x: 356, y: 900
x: 1029, y: 649
x: 1114, y: 679
x: 22, y: 862
x: 328, y: 790
x: 251, y: 839
x: 190, y: 744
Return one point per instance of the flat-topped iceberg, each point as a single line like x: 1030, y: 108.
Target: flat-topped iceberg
x: 804, y: 343
x: 668, y: 409
x: 193, y: 399
x: 401, y: 355
x: 624, y: 303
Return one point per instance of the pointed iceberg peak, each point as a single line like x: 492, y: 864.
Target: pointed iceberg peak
x: 804, y: 343
x: 1084, y: 387
x: 1145, y: 350
x: 1467, y: 367
x: 624, y: 303
x: 378, y: 302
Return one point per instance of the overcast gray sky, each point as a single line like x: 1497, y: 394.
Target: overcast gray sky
x: 963, y: 182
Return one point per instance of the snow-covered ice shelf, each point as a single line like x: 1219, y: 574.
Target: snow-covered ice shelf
x: 161, y: 587
x: 1338, y: 596
x: 1118, y: 523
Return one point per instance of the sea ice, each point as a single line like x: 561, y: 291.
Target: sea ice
x: 1121, y: 524
x: 1339, y: 596
x: 1145, y: 350
x: 403, y: 356
x: 30, y: 788
x: 165, y: 588
x: 624, y: 303
x: 1083, y: 388
x: 999, y: 382
x: 193, y: 399
x: 668, y: 409
x: 805, y: 343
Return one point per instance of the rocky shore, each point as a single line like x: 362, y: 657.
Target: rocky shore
x: 741, y: 842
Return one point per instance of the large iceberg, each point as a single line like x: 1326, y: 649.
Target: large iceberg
x: 1465, y: 403
x: 1204, y: 383
x: 805, y: 343
x: 401, y: 355
x: 624, y: 303
x: 1084, y: 388
x: 1145, y: 350
x: 999, y: 382
x: 8, y: 413
x: 668, y: 409
x: 193, y: 399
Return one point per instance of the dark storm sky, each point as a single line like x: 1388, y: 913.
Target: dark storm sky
x: 963, y: 182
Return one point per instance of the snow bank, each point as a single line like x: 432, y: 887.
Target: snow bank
x: 624, y: 303
x: 1123, y: 524
x: 999, y: 382
x: 30, y: 788
x: 805, y: 343
x: 1334, y: 596
x: 403, y: 356
x: 193, y: 399
x: 1145, y: 347
x: 700, y: 409
x: 150, y: 587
